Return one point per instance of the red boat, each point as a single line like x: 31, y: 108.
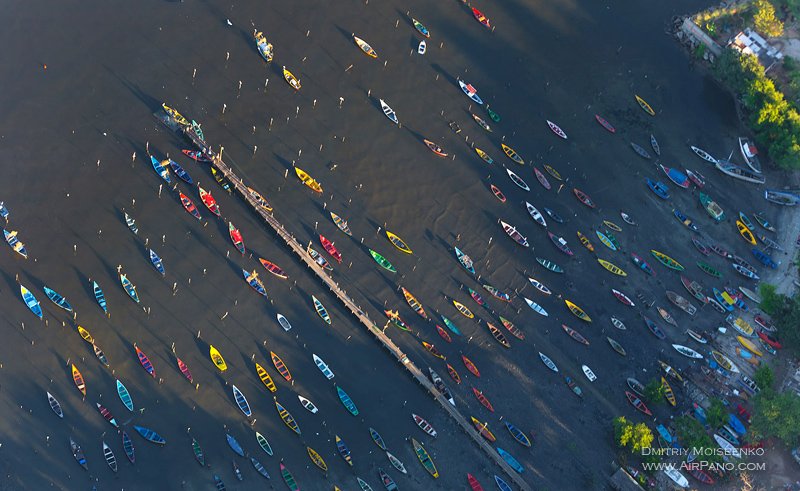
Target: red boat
x: 185, y: 370
x: 575, y: 334
x: 476, y: 296
x: 106, y: 415
x: 482, y: 399
x: 483, y: 429
x: 274, y: 269
x: 198, y: 156
x: 236, y: 237
x: 583, y: 198
x: 498, y: 194
x: 189, y: 206
x: 697, y: 178
x: 470, y: 366
x: 145, y: 361
x: 473, y: 483
x: 622, y: 297
x: 605, y: 124
x: 453, y: 374
x: 700, y: 475
x: 443, y: 333
x: 558, y: 131
x: 765, y: 323
x: 209, y: 201
x: 542, y: 180
x: 435, y: 148
x: 481, y: 18
x: 330, y: 248
x: 637, y: 403
x: 770, y: 339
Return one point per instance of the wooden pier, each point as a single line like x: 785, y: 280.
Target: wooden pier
x: 372, y: 328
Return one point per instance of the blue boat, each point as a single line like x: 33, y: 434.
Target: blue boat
x: 765, y: 258
x: 31, y: 301
x: 241, y: 401
x: 150, y: 435
x: 124, y: 395
x: 254, y: 282
x: 348, y: 403
x: 665, y: 434
x: 450, y: 325
x: 15, y: 243
x: 100, y: 297
x: 659, y: 188
x: 129, y: 288
x: 685, y: 220
x: 4, y: 211
x: 58, y: 299
x: 502, y: 485
x: 161, y: 170
x: 180, y: 172
x: 722, y: 301
x: 736, y: 424
x: 157, y: 263
x: 234, y: 445
x: 510, y: 460
x: 657, y: 332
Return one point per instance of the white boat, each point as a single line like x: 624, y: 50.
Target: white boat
x: 727, y: 446
x: 389, y: 112
x: 536, y: 307
x: 677, y: 477
x: 618, y: 324
x: 512, y: 232
x: 750, y: 384
x: 539, y: 286
x: 733, y: 170
x: 534, y: 213
x: 517, y: 180
x: 284, y: 323
x: 704, y: 155
x: 696, y: 336
x: 308, y: 404
x: 471, y: 91
x: 589, y: 373
x: 422, y: 47
x: 548, y: 362
x: 686, y: 351
x: 750, y: 154
x: 323, y: 367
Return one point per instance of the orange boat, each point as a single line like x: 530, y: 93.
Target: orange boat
x: 432, y: 349
x: 482, y: 399
x: 273, y: 268
x: 470, y: 366
x: 435, y: 148
x: 330, y: 248
x: 78, y: 379
x: 414, y: 304
x: 443, y: 333
x: 483, y: 429
x: 280, y: 366
x: 453, y: 374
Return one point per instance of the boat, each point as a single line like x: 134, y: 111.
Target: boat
x: 422, y: 47
x: 343, y: 450
x: 421, y: 28
x: 482, y: 399
x: 535, y: 214
x: 150, y: 435
x: 287, y: 418
x: 180, y: 172
x: 769, y: 243
x: 470, y: 366
x: 612, y: 239
x: 129, y: 287
x: 640, y: 151
x: 254, y: 282
x: 706, y: 268
x: 434, y: 148
x: 749, y: 345
x: 108, y: 454
x: 387, y: 481
x: 548, y: 362
x: 398, y: 242
x: 209, y: 201
x: 330, y: 248
x: 781, y: 198
x: 624, y: 299
x: 518, y: 434
x: 157, y: 263
x: 124, y: 395
x: 555, y: 216
x: 4, y: 211
x: 762, y: 220
x: 265, y: 378
x: 316, y: 459
x: 560, y: 243
x: 618, y: 324
x: 483, y: 124
x: 637, y: 403
x: 216, y: 357
x: 280, y: 366
x: 197, y: 156
x: 241, y: 401
x: 389, y: 112
x: 654, y: 144
x: 481, y: 18
x: 666, y: 260
x: 341, y: 224
x: 573, y: 386
x: 745, y: 232
x: 724, y: 362
x: 376, y: 437
x: 697, y: 178
x: 728, y: 448
x: 15, y: 243
x: 762, y: 321
x: 666, y: 316
x: 539, y: 286
x: 189, y: 206
x: 701, y: 247
x: 78, y: 454
x: 288, y: 478
x: 577, y: 311
x: 453, y: 374
x: 85, y: 335
x: 645, y: 106
x: 31, y: 302
x: 585, y: 241
x: 517, y: 180
x: 382, y: 261
x: 669, y: 394
x: 733, y: 170
x: 465, y: 261
x: 346, y: 401
x: 712, y: 207
x: 476, y: 296
x: 745, y: 272
x: 470, y: 91
x: 636, y: 386
x: 510, y: 460
x: 106, y: 414
x: 221, y: 180
x: 484, y: 156
x: 659, y: 188
x: 642, y: 264
x: 306, y: 179
x: 144, y: 361
x: 497, y: 293
x: 293, y: 81
x: 701, y: 475
x: 441, y: 387
x: 366, y: 48
x: 498, y: 335
x: 501, y: 484
x: 657, y: 332
x: 277, y: 271
x: 616, y: 346
x: 556, y: 129
x: 512, y: 232
x: 583, y: 198
x: 676, y: 477
x: 463, y: 310
x: 174, y: 114
x: 696, y: 336
x: 741, y: 326
x: 127, y: 446
x: 611, y: 267
x: 541, y: 178
x: 77, y: 378
x: 161, y: 169
x: 703, y: 154
x: 605, y: 240
x: 55, y: 405
x: 681, y: 302
x: 263, y: 443
x: 513, y: 155
x: 605, y: 124
x: 264, y: 48
x: 676, y: 176
x: 589, y: 373
x: 396, y: 463
x: 512, y: 328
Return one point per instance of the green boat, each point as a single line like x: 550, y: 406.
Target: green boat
x: 707, y: 269
x: 712, y: 207
x: 493, y: 115
x: 346, y: 401
x: 288, y: 478
x: 555, y: 268
x: 198, y: 453
x: 450, y: 325
x: 612, y: 239
x: 382, y: 262
x: 667, y: 261
x: 424, y: 458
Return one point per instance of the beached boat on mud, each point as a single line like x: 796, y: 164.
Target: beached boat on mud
x: 577, y: 311
x: 711, y: 206
x: 209, y: 201
x: 583, y: 198
x: 642, y: 264
x: 382, y: 261
x: 31, y: 302
x: 434, y: 148
x: 612, y: 267
x: 365, y: 47
x: 541, y: 178
x: 512, y: 232
x: 640, y: 151
x: 733, y: 170
x: 624, y: 299
x: 688, y: 352
x: 535, y: 214
x: 470, y: 91
x: 616, y: 346
x: 287, y: 418
x: 517, y: 180
x: 657, y: 332
x: 703, y: 154
x: 497, y: 193
x: 555, y: 268
x: 697, y: 178
x: 575, y: 335
x: 424, y: 425
x: 658, y: 188
x: 425, y: 458
x: 681, y: 302
x: 399, y: 243
x: 484, y: 156
x: 306, y: 179
x: 750, y: 154
x: 513, y: 155
x: 637, y: 403
x: 481, y: 18
x: 556, y: 129
x: 15, y: 243
x: 293, y: 81
x: 667, y: 261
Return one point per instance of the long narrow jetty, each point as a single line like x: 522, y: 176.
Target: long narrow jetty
x: 372, y: 328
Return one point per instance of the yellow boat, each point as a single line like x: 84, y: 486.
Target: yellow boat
x: 366, y: 48
x: 743, y: 326
x: 668, y: 393
x: 585, y: 241
x: 645, y: 106
x: 217, y: 358
x: 176, y: 115
x: 463, y: 310
x: 308, y: 180
x: 670, y: 371
x: 724, y: 362
x: 745, y: 232
x: 611, y: 267
x: 550, y: 170
x: 85, y: 335
x: 414, y: 303
x: 512, y: 154
x: 577, y: 311
x: 291, y: 79
x: 265, y: 378
x: 398, y: 242
x: 484, y: 156
x: 613, y: 226
x: 316, y: 459
x: 749, y: 345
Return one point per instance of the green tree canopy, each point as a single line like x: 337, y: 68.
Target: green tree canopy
x: 692, y: 435
x: 766, y: 22
x: 716, y: 414
x: 776, y: 415
x: 785, y: 314
x: 764, y: 377
x: 654, y: 391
